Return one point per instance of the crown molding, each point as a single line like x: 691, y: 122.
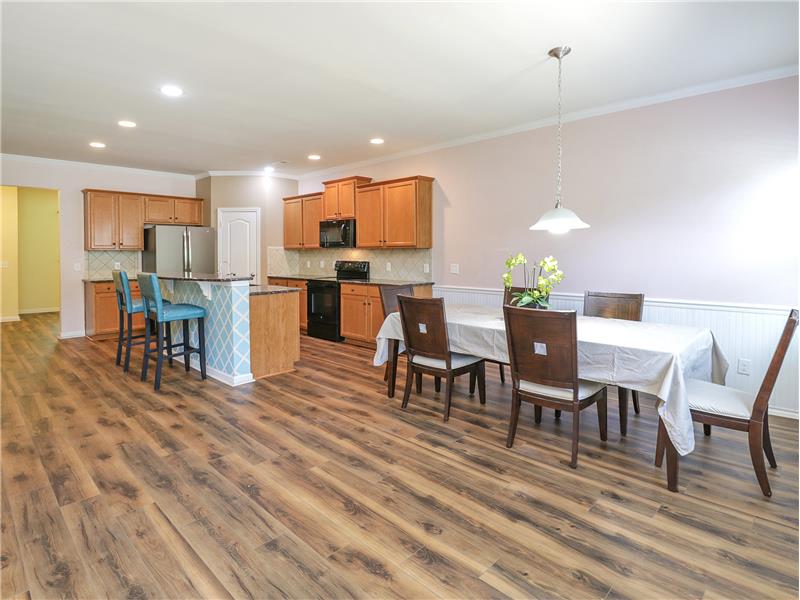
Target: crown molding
x: 43, y: 160
x: 643, y: 101
x: 277, y: 174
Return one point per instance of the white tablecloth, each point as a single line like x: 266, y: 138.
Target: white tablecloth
x: 647, y: 357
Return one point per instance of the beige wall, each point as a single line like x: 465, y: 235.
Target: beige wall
x: 70, y: 178
x: 248, y: 192
x: 39, y: 277
x: 9, y: 252
x: 691, y: 199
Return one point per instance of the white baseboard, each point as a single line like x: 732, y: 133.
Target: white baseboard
x: 230, y: 380
x: 66, y: 335
x: 9, y: 319
x: 783, y: 412
x: 36, y: 311
x: 749, y: 331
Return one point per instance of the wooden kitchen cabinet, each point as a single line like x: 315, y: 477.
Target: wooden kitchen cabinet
x: 173, y: 210
x: 301, y: 217
x: 293, y: 223
x: 339, y: 197
x: 395, y: 214
x: 188, y: 211
x: 101, y: 312
x: 361, y: 311
x: 159, y: 210
x: 113, y: 221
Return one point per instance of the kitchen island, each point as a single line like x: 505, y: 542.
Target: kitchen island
x: 226, y: 299
x: 274, y: 335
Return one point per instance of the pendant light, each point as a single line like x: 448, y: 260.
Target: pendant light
x: 559, y: 219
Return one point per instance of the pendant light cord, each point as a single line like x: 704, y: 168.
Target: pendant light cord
x: 558, y: 139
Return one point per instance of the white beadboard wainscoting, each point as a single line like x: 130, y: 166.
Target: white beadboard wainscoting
x: 742, y: 331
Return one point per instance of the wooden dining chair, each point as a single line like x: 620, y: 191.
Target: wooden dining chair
x: 713, y: 404
x: 428, y: 348
x: 543, y: 348
x: 627, y: 307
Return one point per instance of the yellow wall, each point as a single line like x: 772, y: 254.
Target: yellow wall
x: 38, y: 249
x: 9, y: 278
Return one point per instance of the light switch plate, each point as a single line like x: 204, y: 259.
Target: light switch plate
x: 322, y: 264
x: 454, y: 268
x: 77, y: 267
x: 117, y: 266
x: 308, y: 264
x: 388, y: 266
x: 426, y: 268
x: 744, y: 366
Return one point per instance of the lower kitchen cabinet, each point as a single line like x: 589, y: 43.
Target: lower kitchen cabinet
x: 361, y: 313
x: 101, y: 312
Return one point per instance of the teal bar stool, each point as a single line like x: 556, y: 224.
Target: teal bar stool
x: 161, y: 314
x: 127, y: 306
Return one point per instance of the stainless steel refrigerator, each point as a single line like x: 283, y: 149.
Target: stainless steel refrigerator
x: 179, y: 249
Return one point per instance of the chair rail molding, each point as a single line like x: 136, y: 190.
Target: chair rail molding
x: 746, y: 331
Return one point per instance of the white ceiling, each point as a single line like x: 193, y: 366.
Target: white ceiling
x: 271, y: 82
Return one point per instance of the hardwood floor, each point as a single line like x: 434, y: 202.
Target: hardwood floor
x: 314, y: 484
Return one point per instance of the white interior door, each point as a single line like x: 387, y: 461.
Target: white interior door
x: 239, y: 241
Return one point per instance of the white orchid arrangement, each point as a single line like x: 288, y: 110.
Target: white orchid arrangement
x: 541, y: 284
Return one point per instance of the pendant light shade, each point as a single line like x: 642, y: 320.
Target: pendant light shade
x: 559, y: 219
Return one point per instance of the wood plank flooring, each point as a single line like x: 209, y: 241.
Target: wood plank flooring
x: 313, y: 484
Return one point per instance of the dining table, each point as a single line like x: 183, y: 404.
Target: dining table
x: 653, y: 358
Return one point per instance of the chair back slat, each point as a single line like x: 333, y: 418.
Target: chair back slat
x: 508, y: 294
x: 543, y: 346
x: 425, y: 327
x: 151, y: 295
x: 764, y: 393
x: 389, y: 297
x: 609, y: 305
x: 123, y: 288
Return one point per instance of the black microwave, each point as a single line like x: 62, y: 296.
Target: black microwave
x: 337, y: 234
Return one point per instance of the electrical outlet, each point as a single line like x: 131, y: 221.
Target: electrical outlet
x: 743, y: 368
x: 77, y: 267
x: 426, y: 268
x: 388, y: 266
x: 454, y: 268
x: 117, y: 266
x: 308, y: 264
x: 322, y: 264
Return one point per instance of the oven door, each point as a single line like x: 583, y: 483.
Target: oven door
x: 323, y: 310
x: 337, y: 234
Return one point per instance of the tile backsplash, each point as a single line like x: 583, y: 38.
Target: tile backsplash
x: 99, y: 263
x: 406, y: 264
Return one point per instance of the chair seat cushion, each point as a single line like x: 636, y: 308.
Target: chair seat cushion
x: 585, y: 389
x: 179, y: 312
x: 456, y: 361
x: 719, y: 399
x: 137, y: 305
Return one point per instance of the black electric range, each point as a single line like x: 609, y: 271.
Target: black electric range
x: 324, y: 320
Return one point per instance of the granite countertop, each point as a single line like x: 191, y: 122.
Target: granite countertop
x: 204, y: 277
x: 373, y: 281
x: 261, y: 290
x: 101, y: 279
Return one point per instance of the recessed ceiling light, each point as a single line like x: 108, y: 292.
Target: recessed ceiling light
x: 173, y: 91
x: 126, y: 123
x: 314, y: 157
x: 376, y: 141
x: 269, y: 169
x: 97, y: 144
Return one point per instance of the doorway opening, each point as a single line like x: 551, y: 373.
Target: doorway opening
x: 30, y: 261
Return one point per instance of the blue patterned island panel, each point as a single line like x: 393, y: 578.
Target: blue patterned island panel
x: 227, y: 325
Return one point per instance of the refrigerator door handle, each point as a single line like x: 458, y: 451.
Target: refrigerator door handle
x: 183, y: 239
x: 189, y: 246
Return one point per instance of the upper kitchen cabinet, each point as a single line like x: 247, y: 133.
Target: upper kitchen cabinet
x: 113, y: 221
x: 339, y: 198
x: 173, y: 210
x: 301, y: 217
x: 395, y: 213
